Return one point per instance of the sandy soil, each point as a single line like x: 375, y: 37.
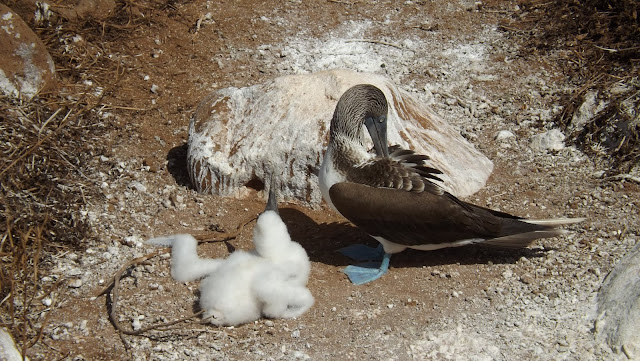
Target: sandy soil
x: 470, y: 303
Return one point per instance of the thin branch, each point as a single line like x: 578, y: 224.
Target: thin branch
x: 114, y: 299
x: 616, y: 50
x: 203, y: 238
x: 211, y: 236
x: 374, y: 42
x: 114, y: 285
x: 627, y: 177
x: 111, y: 282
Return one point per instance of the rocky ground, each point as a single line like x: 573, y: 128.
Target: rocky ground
x: 470, y: 303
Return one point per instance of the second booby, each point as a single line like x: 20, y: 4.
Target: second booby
x: 395, y: 197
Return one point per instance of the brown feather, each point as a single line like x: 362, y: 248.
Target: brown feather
x: 418, y: 218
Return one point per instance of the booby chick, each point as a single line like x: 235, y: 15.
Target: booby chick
x: 394, y: 197
x: 268, y: 281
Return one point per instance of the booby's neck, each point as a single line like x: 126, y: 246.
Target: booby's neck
x: 341, y: 157
x: 348, y: 152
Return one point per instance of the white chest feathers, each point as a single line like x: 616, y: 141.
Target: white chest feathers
x: 328, y: 176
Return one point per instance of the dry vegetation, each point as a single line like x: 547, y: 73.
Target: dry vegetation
x: 45, y: 141
x: 600, y: 41
x: 45, y: 144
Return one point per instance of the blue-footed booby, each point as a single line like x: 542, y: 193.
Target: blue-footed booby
x: 269, y: 280
x: 395, y: 198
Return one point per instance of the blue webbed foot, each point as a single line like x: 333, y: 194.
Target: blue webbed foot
x: 360, y: 252
x: 367, y: 272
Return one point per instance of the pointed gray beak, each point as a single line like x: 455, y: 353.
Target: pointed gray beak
x: 272, y: 202
x: 377, y: 128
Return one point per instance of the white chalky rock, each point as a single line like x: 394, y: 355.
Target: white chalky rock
x: 504, y: 135
x: 548, y: 141
x: 8, y: 349
x: 237, y: 135
x: 619, y: 306
x: 26, y: 67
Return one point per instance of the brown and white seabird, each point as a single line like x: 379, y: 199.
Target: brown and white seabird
x: 395, y: 198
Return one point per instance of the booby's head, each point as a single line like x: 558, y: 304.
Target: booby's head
x: 362, y: 104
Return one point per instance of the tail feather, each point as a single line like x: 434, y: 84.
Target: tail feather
x: 519, y: 233
x: 522, y: 240
x: 185, y: 263
x: 554, y: 221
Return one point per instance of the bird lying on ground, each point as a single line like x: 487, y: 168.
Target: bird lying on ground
x: 392, y: 195
x: 268, y: 281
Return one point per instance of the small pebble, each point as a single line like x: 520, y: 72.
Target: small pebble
x: 503, y: 135
x: 76, y: 283
x: 136, y: 325
x: 527, y: 279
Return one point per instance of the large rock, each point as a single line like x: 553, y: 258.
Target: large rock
x: 26, y: 67
x: 618, y: 321
x: 8, y: 349
x: 237, y: 135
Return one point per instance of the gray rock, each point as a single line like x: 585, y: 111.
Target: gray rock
x: 237, y: 135
x: 587, y: 110
x: 503, y: 135
x: 26, y: 67
x: 551, y: 140
x: 619, y: 306
x: 75, y: 283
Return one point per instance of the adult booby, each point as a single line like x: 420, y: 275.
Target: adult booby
x: 269, y: 280
x: 394, y: 197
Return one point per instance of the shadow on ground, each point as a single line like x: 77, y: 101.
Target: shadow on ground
x: 177, y: 165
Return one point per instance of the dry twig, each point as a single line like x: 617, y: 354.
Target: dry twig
x: 373, y: 42
x: 114, y: 299
x: 115, y: 283
x: 626, y: 177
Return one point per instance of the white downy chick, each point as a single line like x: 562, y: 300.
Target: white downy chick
x: 268, y: 281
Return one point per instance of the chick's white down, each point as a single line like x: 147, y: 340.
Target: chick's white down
x: 269, y: 280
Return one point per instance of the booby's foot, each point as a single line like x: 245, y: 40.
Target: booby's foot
x: 367, y: 272
x: 360, y: 252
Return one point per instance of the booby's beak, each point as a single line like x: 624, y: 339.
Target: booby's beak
x: 377, y: 128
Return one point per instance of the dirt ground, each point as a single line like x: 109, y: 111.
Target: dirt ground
x: 469, y: 303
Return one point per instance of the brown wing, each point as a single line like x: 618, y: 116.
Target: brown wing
x: 404, y: 169
x: 416, y: 218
